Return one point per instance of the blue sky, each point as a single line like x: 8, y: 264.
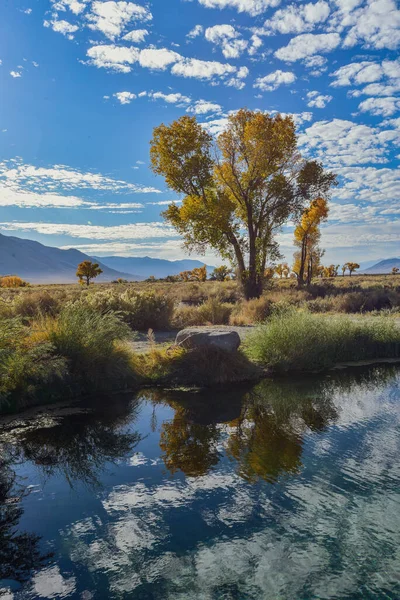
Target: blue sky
x: 83, y: 83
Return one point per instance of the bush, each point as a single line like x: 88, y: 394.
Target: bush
x: 301, y: 341
x: 29, y: 371
x: 210, y: 312
x: 12, y: 281
x: 141, y: 311
x: 88, y: 340
x: 251, y: 311
x: 35, y: 304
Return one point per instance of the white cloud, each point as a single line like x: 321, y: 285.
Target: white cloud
x: 62, y: 26
x: 274, y: 80
x: 366, y: 72
x: 202, y: 107
x: 73, y: 5
x: 228, y: 39
x: 129, y: 232
x: 27, y: 11
x: 202, y: 69
x: 380, y: 106
x: 136, y: 36
x: 296, y: 18
x: 317, y: 100
x: 112, y: 17
x: 172, y: 98
x: 374, y: 25
x: 308, y: 44
x: 17, y: 175
x: 253, y: 7
x: 195, y: 32
x: 15, y: 74
x: 125, y: 97
x: 344, y: 143
x: 117, y: 58
x: 158, y: 58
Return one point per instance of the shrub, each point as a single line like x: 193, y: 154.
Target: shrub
x: 12, y: 281
x: 141, y: 311
x: 36, y: 303
x: 301, y: 341
x: 28, y: 370
x: 88, y: 340
x: 251, y: 311
x: 214, y: 312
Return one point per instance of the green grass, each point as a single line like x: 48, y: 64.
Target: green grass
x: 301, y: 341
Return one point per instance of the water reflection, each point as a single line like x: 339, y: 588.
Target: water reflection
x: 287, y: 489
x: 19, y: 550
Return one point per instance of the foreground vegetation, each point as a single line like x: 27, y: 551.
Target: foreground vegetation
x: 55, y: 349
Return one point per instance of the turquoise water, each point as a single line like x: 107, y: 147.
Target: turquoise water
x: 284, y: 490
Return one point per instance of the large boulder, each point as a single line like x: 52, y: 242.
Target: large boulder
x: 201, y: 337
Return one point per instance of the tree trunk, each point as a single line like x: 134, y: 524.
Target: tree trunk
x: 252, y: 286
x: 303, y: 256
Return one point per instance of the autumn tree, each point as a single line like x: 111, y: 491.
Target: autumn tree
x: 199, y: 274
x: 282, y: 270
x: 352, y: 266
x: 331, y: 271
x: 306, y: 237
x: 344, y: 269
x: 395, y: 270
x: 238, y: 190
x: 221, y: 273
x: 87, y: 270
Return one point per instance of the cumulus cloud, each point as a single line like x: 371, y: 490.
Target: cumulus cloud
x: 158, y: 58
x: 15, y: 74
x: 75, y: 6
x: 172, y: 98
x: 202, y: 69
x: 357, y: 73
x: 136, y: 36
x: 252, y: 7
x: 380, y: 106
x: 317, y: 100
x: 112, y: 17
x: 195, y: 32
x: 344, y: 143
x: 274, y: 80
x: 116, y: 58
x: 296, y: 18
x: 202, y: 107
x: 375, y: 24
x: 62, y: 26
x: 125, y: 97
x: 308, y: 44
x: 228, y: 39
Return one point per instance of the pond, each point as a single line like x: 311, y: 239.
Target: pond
x: 285, y: 490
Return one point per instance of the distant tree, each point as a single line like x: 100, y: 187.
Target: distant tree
x: 239, y: 190
x: 320, y: 270
x: 282, y: 270
x: 395, y: 270
x: 306, y: 237
x: 344, y: 269
x: 185, y: 275
x: 331, y: 271
x: 87, y: 270
x: 120, y: 280
x: 222, y: 273
x: 12, y: 281
x: 171, y: 278
x: 151, y: 279
x: 352, y: 266
x: 199, y: 274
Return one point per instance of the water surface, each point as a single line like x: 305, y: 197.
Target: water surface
x: 287, y: 490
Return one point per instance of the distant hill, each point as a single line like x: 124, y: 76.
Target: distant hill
x: 146, y: 266
x: 382, y: 267
x: 43, y: 264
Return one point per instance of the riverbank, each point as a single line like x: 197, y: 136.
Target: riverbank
x: 84, y: 352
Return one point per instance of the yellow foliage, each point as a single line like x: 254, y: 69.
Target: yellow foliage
x: 12, y: 281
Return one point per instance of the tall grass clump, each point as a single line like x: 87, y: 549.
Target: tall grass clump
x: 91, y: 343
x: 301, y: 341
x: 140, y: 310
x: 30, y: 371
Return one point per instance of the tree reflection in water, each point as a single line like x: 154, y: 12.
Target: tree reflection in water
x: 19, y: 551
x: 263, y: 433
x: 79, y: 446
x: 76, y: 447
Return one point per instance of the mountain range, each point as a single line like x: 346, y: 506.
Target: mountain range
x: 38, y: 263
x: 146, y: 266
x: 383, y: 266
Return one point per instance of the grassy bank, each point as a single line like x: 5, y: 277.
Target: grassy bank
x: 83, y: 351
x: 302, y: 341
